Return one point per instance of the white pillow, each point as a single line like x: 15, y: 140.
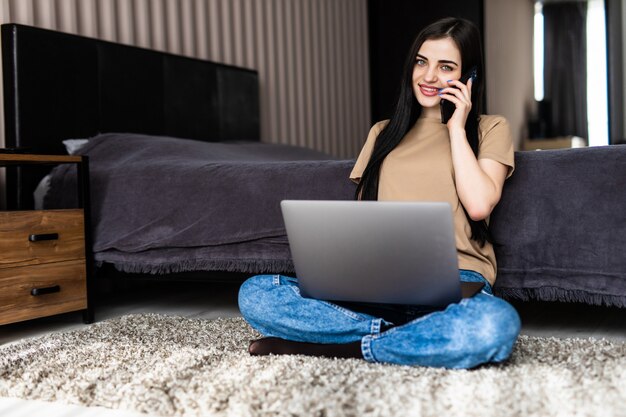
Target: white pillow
x: 73, y: 145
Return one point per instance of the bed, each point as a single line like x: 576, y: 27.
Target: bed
x: 179, y: 179
x: 182, y: 188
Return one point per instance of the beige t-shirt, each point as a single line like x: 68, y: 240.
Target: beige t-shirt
x: 420, y: 169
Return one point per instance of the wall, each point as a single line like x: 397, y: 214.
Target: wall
x: 311, y: 55
x: 509, y: 62
x: 615, y: 67
x: 623, y: 39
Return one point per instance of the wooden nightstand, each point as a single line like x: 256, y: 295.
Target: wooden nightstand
x: 46, y: 263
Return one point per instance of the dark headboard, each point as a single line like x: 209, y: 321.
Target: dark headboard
x: 59, y: 86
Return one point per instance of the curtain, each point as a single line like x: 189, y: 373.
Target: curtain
x: 565, y: 67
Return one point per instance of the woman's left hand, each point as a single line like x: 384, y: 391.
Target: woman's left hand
x: 461, y: 96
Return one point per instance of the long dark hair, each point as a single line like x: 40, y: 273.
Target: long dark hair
x: 407, y: 110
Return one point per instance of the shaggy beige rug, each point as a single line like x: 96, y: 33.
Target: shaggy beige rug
x: 177, y: 366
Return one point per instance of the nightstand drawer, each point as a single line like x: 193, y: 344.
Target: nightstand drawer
x: 61, y: 287
x: 41, y: 236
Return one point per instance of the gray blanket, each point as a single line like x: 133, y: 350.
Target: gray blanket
x: 560, y: 225
x: 157, y: 192
x: 268, y: 255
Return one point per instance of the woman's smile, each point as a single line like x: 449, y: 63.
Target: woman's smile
x: 429, y: 91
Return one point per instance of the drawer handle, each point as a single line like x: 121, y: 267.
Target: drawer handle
x: 43, y: 236
x: 45, y: 290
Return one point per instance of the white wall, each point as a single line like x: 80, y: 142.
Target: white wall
x: 509, y: 64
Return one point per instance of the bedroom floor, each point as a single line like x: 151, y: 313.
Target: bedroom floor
x: 219, y: 299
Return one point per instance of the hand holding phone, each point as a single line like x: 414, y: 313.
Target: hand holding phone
x: 447, y: 107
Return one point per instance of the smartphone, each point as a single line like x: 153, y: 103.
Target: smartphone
x: 447, y: 107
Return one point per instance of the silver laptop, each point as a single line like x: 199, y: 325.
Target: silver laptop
x: 375, y: 251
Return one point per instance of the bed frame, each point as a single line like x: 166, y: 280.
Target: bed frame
x: 59, y: 86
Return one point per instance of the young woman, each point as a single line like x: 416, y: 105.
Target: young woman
x: 414, y: 156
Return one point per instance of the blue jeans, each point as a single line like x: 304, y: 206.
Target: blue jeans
x: 474, y: 331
